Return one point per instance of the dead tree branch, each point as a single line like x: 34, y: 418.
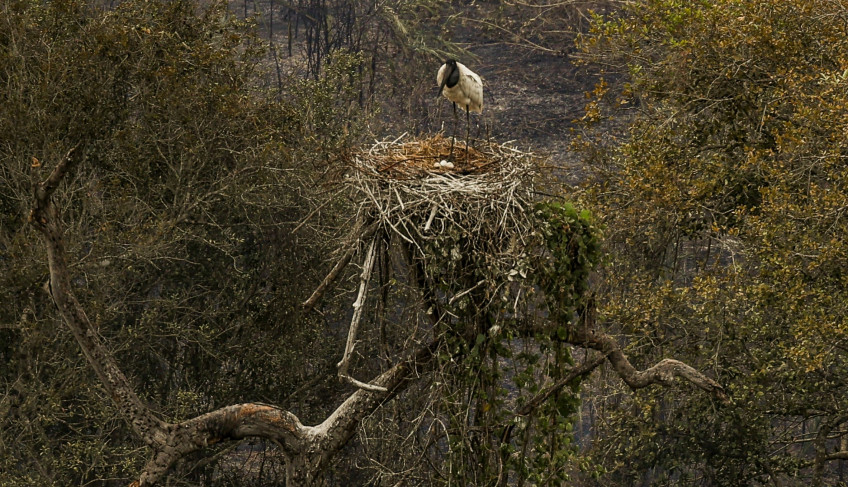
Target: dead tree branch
x: 303, y: 445
x: 313, y: 446
x: 44, y: 217
x: 340, y: 265
x: 528, y: 408
x: 837, y: 455
x: 358, y: 305
x: 583, y: 369
x: 662, y: 373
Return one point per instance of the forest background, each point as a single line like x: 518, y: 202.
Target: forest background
x: 697, y: 150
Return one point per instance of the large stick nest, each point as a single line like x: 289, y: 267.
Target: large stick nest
x: 481, y: 204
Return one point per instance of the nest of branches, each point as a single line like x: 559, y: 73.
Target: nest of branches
x: 475, y: 203
x: 465, y: 225
x: 404, y: 158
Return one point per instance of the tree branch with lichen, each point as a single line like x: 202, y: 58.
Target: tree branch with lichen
x: 44, y: 217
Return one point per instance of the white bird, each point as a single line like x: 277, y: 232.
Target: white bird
x: 461, y: 85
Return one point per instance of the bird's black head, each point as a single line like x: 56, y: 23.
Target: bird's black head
x: 451, y: 77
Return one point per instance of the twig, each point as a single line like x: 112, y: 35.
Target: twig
x: 463, y: 293
x: 542, y: 396
x: 362, y: 385
x: 430, y: 220
x: 367, y: 268
x: 306, y: 219
x: 337, y: 269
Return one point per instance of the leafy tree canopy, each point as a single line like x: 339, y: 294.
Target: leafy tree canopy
x: 178, y: 222
x: 725, y: 203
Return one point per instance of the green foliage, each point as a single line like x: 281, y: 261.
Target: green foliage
x: 489, y: 368
x: 178, y: 224
x: 573, y: 245
x: 724, y: 203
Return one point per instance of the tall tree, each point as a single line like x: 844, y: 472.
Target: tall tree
x: 176, y: 226
x: 724, y: 201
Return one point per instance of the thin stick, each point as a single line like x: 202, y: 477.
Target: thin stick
x: 337, y: 269
x: 432, y: 216
x: 543, y: 395
x: 363, y: 385
x: 463, y: 293
x: 467, y: 131
x: 453, y: 139
x: 367, y: 268
x: 310, y: 215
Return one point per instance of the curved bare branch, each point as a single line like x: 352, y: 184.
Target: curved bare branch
x: 230, y: 423
x: 45, y: 219
x: 662, y: 373
x: 313, y: 444
x: 171, y: 442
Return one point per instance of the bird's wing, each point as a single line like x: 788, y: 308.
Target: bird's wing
x: 475, y: 90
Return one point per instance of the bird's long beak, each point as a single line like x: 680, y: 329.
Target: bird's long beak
x: 442, y: 86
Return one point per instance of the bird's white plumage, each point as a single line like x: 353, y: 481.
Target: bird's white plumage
x: 468, y: 91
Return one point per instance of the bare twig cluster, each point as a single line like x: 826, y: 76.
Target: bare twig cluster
x: 407, y: 187
x: 464, y: 223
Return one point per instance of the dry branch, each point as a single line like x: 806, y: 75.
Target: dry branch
x: 662, y: 373
x: 358, y: 305
x: 837, y: 455
x: 583, y: 369
x: 44, y: 217
x: 322, y: 288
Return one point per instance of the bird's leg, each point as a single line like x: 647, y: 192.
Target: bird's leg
x: 467, y: 130
x: 453, y: 137
x: 488, y: 135
x: 439, y: 117
x: 481, y: 126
